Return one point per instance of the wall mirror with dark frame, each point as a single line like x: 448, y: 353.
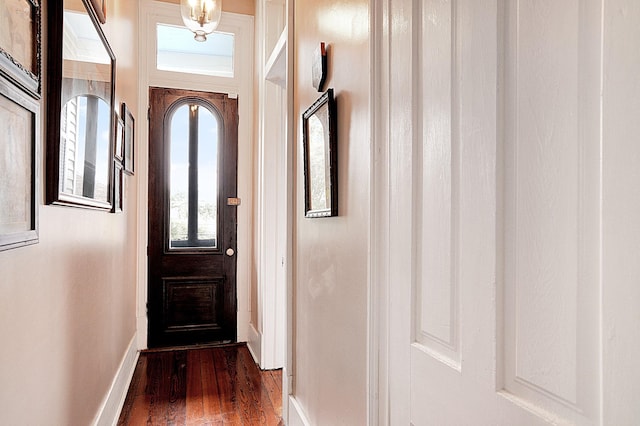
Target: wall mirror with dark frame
x: 320, y: 151
x: 80, y: 113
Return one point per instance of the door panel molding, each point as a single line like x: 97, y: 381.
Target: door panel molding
x: 454, y: 132
x: 201, y: 296
x: 552, y: 176
x: 548, y: 114
x: 437, y: 182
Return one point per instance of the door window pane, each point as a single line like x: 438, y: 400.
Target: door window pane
x: 193, y: 215
x: 207, y: 175
x: 179, y: 199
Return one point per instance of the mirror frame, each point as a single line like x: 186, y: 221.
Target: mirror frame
x: 330, y: 153
x: 55, y: 28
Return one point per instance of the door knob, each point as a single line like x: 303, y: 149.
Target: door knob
x: 230, y: 252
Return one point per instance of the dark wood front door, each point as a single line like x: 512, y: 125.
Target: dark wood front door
x: 193, y: 155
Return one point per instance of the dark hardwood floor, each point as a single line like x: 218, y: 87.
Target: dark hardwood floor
x: 210, y: 386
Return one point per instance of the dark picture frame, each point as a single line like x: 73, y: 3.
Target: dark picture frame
x: 20, y: 44
x: 118, y: 185
x: 118, y: 152
x: 19, y: 162
x: 90, y: 85
x: 128, y: 140
x: 319, y: 140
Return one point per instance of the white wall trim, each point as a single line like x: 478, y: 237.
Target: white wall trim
x: 272, y: 170
x: 242, y: 84
x: 379, y: 227
x: 254, y: 343
x: 288, y: 370
x: 296, y: 416
x: 111, y: 406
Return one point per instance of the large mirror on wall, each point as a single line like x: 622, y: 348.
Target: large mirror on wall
x: 80, y: 113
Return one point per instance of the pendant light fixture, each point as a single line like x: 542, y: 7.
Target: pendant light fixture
x: 201, y: 16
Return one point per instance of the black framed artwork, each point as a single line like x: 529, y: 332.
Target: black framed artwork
x: 118, y: 187
x: 118, y: 153
x: 128, y: 140
x: 19, y: 160
x: 20, y: 44
x: 319, y: 138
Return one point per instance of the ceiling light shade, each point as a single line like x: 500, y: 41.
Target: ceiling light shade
x: 201, y: 16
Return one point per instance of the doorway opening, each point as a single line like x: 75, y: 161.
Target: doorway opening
x: 192, y: 239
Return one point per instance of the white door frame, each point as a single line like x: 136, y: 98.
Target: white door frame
x: 152, y: 12
x: 290, y: 136
x: 379, y: 229
x: 271, y: 233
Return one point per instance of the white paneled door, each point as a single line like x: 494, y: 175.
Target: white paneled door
x: 504, y: 289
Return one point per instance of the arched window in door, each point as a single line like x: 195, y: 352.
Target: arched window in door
x: 194, y: 133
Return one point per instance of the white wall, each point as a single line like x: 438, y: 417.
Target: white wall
x: 67, y: 304
x: 331, y: 254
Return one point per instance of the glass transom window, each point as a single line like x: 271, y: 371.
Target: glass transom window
x: 177, y: 51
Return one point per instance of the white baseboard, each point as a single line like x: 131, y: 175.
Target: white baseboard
x: 296, y: 413
x: 255, y: 344
x: 112, y: 404
x: 286, y: 391
x: 142, y: 324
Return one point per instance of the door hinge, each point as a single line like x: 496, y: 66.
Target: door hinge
x: 148, y: 113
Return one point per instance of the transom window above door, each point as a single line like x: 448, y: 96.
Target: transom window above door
x: 177, y: 51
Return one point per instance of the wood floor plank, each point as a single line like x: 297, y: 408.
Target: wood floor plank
x: 231, y: 407
x: 252, y: 409
x: 195, y: 400
x: 136, y: 388
x: 140, y: 413
x: 258, y: 389
x: 158, y: 385
x: 139, y: 383
x: 176, y: 409
x: 219, y: 386
x: 213, y: 398
x: 277, y: 376
x: 273, y: 385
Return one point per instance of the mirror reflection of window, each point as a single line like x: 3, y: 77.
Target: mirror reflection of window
x: 86, y: 113
x: 194, y: 142
x: 84, y: 147
x: 320, y: 197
